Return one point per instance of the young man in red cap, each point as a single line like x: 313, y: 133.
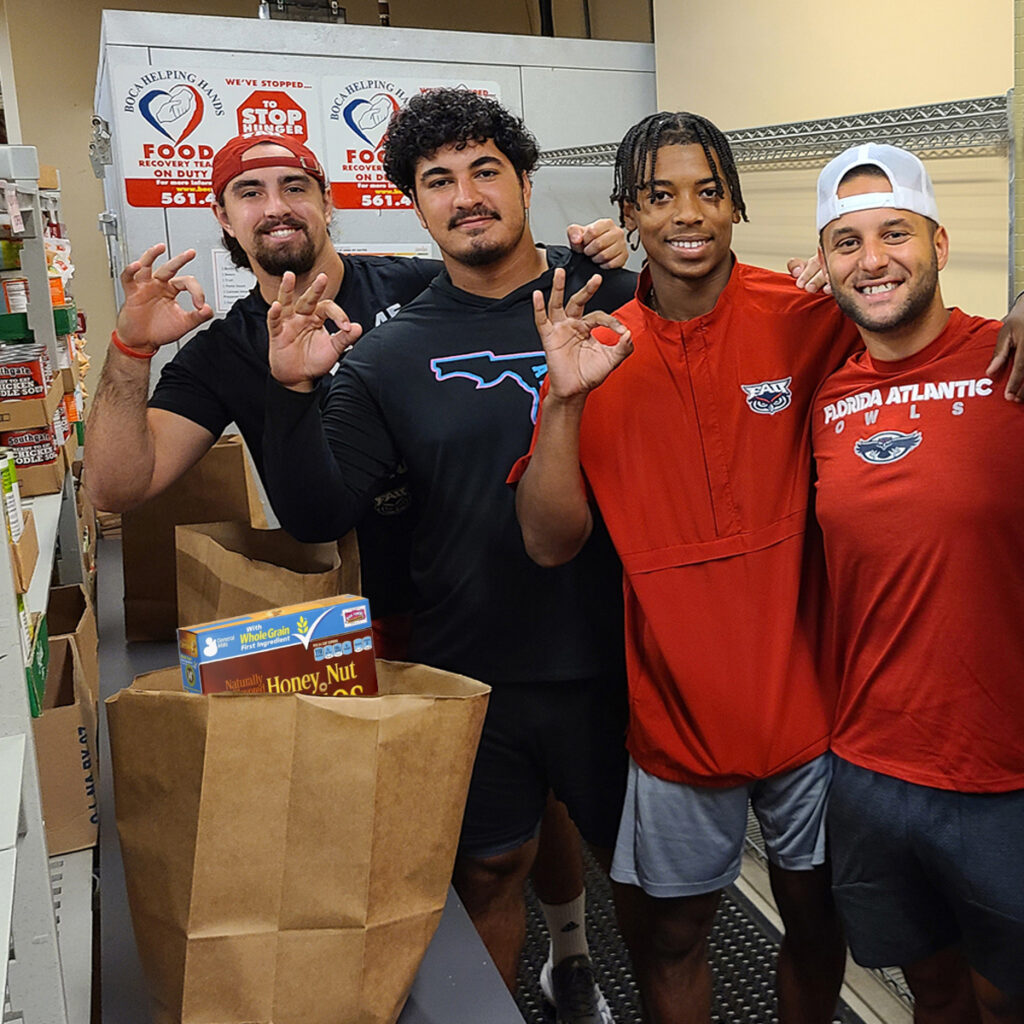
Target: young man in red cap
x: 920, y: 503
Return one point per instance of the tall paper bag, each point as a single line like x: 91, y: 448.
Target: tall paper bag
x: 230, y: 569
x: 287, y: 858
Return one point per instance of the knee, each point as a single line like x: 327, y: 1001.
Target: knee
x: 480, y: 880
x: 679, y: 928
x: 939, y: 980
x: 997, y: 1004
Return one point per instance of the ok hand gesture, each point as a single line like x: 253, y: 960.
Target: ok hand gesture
x: 577, y: 362
x: 301, y: 347
x: 151, y: 315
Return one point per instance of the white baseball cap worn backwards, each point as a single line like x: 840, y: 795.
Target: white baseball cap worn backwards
x: 911, y: 187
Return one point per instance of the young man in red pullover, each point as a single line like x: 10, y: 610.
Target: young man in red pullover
x: 696, y: 450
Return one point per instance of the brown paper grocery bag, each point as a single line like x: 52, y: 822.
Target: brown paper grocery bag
x: 219, y: 487
x: 287, y: 858
x: 229, y: 569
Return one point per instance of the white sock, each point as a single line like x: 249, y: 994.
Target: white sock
x: 567, y: 927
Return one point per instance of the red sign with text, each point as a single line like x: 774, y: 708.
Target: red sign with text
x: 272, y: 113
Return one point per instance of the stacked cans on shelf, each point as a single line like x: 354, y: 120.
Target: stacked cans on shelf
x: 27, y: 373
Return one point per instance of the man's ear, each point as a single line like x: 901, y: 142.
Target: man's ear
x: 629, y: 216
x: 222, y: 218
x: 527, y: 190
x: 941, y: 242
x: 419, y: 212
x: 328, y: 205
x: 824, y: 264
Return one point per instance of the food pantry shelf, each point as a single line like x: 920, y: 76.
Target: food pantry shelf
x: 12, y: 762
x: 46, y: 512
x: 71, y: 881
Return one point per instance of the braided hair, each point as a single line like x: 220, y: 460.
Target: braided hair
x: 638, y: 153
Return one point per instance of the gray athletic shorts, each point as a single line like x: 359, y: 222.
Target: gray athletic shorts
x: 682, y: 840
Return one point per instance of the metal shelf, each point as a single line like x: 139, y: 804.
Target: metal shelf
x: 971, y: 127
x: 71, y: 880
x: 12, y: 764
x: 46, y: 512
x: 34, y: 977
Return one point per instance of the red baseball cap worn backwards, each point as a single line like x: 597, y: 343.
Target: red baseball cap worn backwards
x: 229, y: 161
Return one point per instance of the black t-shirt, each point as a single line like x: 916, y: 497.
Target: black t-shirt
x: 220, y: 377
x: 451, y: 388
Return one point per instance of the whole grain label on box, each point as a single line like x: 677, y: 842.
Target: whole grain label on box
x: 322, y: 648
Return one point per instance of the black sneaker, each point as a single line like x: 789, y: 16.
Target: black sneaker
x: 575, y: 993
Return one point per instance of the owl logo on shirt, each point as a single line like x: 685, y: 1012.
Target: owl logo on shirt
x: 770, y: 396
x: 886, y: 446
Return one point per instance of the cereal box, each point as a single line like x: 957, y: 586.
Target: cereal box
x: 324, y: 649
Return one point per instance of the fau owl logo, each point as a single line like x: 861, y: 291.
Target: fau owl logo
x: 886, y: 446
x: 770, y: 396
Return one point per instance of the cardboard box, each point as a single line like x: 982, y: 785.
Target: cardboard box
x: 47, y: 478
x: 69, y: 377
x: 49, y: 177
x: 88, y: 529
x: 25, y: 554
x: 70, y: 614
x: 321, y: 648
x: 22, y: 413
x: 69, y: 450
x: 65, y: 736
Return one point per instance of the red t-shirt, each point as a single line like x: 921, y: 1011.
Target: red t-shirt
x: 921, y: 500
x: 696, y: 450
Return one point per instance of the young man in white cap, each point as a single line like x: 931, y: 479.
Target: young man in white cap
x: 920, y: 499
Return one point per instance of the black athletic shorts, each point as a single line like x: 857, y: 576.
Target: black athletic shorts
x: 917, y: 869
x: 563, y: 736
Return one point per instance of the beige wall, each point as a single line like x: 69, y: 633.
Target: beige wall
x: 794, y: 60
x: 775, y: 62
x: 52, y: 48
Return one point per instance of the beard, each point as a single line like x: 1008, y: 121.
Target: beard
x: 299, y: 257
x: 481, y: 251
x: 917, y: 301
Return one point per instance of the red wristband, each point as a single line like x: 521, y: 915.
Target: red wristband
x: 133, y: 352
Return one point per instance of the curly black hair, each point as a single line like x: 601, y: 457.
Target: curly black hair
x: 638, y: 152
x: 444, y: 117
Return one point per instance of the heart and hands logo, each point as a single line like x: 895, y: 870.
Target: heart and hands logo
x: 369, y: 118
x: 175, y: 113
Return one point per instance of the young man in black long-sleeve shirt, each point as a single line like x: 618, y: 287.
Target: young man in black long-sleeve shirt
x: 449, y: 388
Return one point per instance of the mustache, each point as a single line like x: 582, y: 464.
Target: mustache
x: 267, y: 226
x: 473, y: 214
